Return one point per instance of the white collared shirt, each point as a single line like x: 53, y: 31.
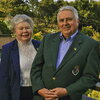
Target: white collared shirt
x: 27, y: 54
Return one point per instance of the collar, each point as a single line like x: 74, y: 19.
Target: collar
x: 69, y: 38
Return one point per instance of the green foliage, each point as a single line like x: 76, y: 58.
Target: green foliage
x: 3, y: 28
x: 87, y: 12
x: 22, y: 8
x: 95, y: 95
x: 37, y: 36
x: 6, y: 6
x: 96, y: 36
x: 47, y: 2
x: 2, y: 14
x: 44, y: 13
x: 88, y: 30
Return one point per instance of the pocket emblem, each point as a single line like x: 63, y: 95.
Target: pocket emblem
x: 75, y: 71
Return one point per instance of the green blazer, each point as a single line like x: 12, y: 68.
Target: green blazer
x: 77, y: 72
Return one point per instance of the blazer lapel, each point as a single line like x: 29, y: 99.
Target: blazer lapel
x: 74, y: 48
x: 15, y: 57
x: 54, y: 49
x: 36, y: 45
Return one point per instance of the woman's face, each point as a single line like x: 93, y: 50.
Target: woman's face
x: 23, y: 31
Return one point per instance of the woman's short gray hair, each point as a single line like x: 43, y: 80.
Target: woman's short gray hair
x: 20, y: 18
x: 75, y: 12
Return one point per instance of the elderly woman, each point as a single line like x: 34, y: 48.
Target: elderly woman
x: 16, y: 61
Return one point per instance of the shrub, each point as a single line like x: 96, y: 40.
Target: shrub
x: 37, y: 36
x: 3, y: 28
x: 88, y: 30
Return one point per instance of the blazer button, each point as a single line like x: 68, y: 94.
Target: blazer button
x: 53, y: 78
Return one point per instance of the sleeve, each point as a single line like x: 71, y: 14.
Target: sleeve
x: 90, y: 73
x: 4, y: 75
x: 36, y: 71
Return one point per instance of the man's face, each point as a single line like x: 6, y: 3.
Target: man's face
x: 67, y: 23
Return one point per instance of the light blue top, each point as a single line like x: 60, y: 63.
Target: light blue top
x: 63, y: 47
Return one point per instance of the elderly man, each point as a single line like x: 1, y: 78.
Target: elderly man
x: 67, y: 63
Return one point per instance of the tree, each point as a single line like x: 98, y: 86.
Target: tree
x: 47, y: 1
x: 3, y: 28
x: 44, y: 13
x: 6, y: 6
x: 88, y: 13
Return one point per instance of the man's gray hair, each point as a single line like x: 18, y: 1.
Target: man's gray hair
x: 75, y: 12
x: 20, y: 18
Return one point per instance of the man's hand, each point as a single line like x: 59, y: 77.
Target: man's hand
x: 47, y: 94
x: 60, y: 92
